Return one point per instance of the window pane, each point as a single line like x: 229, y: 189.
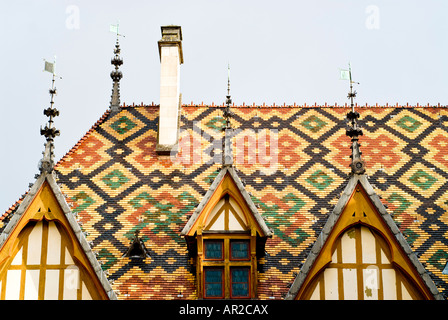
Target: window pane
x: 213, y: 250
x: 239, y: 250
x: 213, y: 283
x: 240, y: 282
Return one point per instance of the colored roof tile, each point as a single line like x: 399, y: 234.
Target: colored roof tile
x: 294, y: 163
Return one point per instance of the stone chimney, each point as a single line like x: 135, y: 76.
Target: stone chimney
x: 171, y: 57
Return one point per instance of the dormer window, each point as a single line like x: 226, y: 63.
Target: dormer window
x: 225, y: 236
x: 227, y: 266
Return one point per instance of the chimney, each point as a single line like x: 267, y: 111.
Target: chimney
x: 171, y: 57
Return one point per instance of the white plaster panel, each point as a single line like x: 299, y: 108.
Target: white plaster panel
x: 389, y: 284
x: 350, y: 284
x: 348, y: 245
x: 331, y: 284
x: 51, y: 285
x: 12, y: 291
x: 54, y: 244
x: 31, y: 285
x: 368, y: 246
x: 35, y: 245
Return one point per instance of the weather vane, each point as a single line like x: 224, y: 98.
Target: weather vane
x: 50, y: 132
x: 114, y: 29
x: 354, y: 131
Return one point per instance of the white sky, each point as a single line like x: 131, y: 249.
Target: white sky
x: 279, y: 52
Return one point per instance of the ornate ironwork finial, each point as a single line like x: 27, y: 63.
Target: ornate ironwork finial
x: 228, y: 132
x: 50, y: 132
x: 227, y: 113
x: 354, y: 131
x: 116, y: 74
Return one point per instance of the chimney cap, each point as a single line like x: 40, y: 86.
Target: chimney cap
x: 172, y: 35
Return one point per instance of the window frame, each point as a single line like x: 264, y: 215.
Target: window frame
x: 227, y: 263
x: 248, y: 282
x: 221, y: 242
x: 222, y: 282
x: 247, y: 241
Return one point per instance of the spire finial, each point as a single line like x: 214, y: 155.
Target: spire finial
x: 354, y: 131
x: 50, y: 132
x: 116, y: 74
x: 227, y: 154
x: 227, y: 113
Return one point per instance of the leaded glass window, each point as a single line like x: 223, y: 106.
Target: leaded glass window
x: 213, y: 249
x: 240, y: 282
x: 213, y: 282
x: 239, y: 249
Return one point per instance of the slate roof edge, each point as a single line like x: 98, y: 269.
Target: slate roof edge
x: 331, y: 222
x: 400, y: 238
x: 81, y: 238
x: 267, y: 232
x: 203, y: 202
x: 50, y: 178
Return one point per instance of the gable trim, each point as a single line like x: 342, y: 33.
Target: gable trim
x: 266, y: 232
x: 320, y: 242
x: 72, y: 223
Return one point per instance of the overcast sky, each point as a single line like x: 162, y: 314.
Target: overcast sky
x: 279, y: 52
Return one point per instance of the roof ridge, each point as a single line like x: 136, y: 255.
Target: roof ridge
x: 294, y: 105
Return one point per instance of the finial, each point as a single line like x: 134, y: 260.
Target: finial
x: 227, y: 113
x: 354, y: 131
x: 116, y: 74
x: 227, y: 154
x: 50, y: 132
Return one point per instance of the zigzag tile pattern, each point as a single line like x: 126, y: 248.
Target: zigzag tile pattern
x: 294, y: 162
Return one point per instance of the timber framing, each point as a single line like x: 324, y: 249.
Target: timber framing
x: 45, y: 188
x: 381, y: 221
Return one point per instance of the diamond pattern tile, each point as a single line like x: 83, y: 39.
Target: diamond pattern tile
x: 294, y: 162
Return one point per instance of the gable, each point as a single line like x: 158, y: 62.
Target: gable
x: 41, y: 256
x: 227, y: 215
x: 359, y: 243
x: 226, y: 207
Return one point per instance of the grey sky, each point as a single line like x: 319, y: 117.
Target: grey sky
x: 279, y: 52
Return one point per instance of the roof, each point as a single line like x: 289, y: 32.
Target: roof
x: 117, y: 184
